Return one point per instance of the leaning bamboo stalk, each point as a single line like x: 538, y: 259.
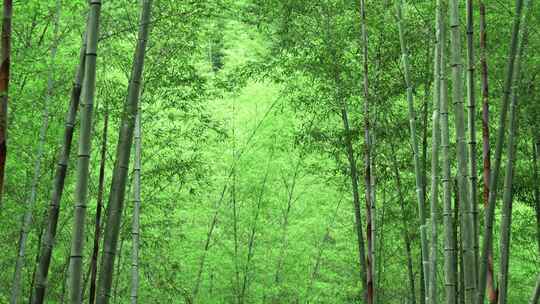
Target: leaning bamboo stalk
x: 506, y: 211
x: 356, y: 195
x: 118, y: 268
x: 285, y: 222
x: 320, y: 251
x: 252, y: 235
x: 202, y: 262
x: 493, y: 180
x: 123, y: 151
x: 99, y: 208
x: 36, y: 264
x: 59, y: 181
x: 536, y: 293
x: 27, y: 218
x: 404, y: 228
x: 506, y: 221
x: 414, y: 141
x: 235, y: 209
x: 467, y: 214
x: 214, y: 221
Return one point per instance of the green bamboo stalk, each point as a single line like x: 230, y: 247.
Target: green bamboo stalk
x: 28, y: 214
x: 215, y: 217
x: 471, y: 121
x: 404, y: 228
x: 83, y: 163
x: 47, y: 244
x: 467, y: 214
x: 460, y: 289
x: 450, y: 264
x: 288, y: 206
x: 493, y: 181
x: 252, y: 236
x: 356, y: 195
x: 422, y: 288
x: 135, y: 227
x: 373, y: 210
x: 536, y: 151
x: 506, y: 221
x: 99, y: 207
x: 536, y: 293
x: 371, y: 292
x: 235, y: 213
x: 123, y: 151
x: 321, y: 247
x: 435, y: 139
x: 414, y: 141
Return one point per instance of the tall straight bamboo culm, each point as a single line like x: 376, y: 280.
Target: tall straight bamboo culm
x: 466, y: 208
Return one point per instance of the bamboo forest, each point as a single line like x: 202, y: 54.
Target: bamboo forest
x: 270, y: 151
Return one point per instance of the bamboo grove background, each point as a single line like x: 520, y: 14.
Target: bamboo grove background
x: 264, y: 151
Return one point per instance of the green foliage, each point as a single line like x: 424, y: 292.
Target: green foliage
x: 250, y: 89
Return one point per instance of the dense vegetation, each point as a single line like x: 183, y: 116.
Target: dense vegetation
x: 270, y: 151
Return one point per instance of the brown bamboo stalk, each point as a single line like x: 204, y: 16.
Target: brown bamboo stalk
x: 492, y: 293
x: 5, y: 53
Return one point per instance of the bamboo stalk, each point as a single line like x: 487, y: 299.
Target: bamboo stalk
x: 536, y: 293
x: 414, y: 142
x: 83, y: 162
x: 493, y: 180
x: 5, y: 53
x: 506, y: 221
x: 467, y: 213
x: 27, y: 218
x: 59, y: 182
x: 471, y: 121
x: 486, y: 153
x: 406, y: 238
x: 123, y: 151
x: 99, y: 209
x: 370, y: 223
x: 435, y: 140
x: 450, y: 264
